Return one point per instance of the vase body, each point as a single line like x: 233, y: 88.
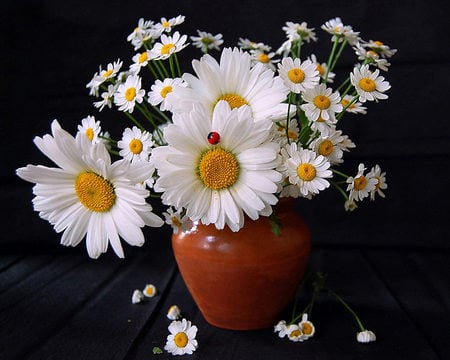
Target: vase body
x: 244, y: 280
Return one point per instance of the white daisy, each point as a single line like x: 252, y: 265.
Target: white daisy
x: 381, y: 184
x: 149, y: 290
x: 280, y: 328
x: 169, y: 45
x: 87, y: 195
x: 380, y: 48
x: 247, y: 44
x: 107, y: 98
x: 218, y: 168
x: 371, y: 57
x: 307, y: 170
x: 166, y: 25
x: 141, y: 60
x: 236, y: 81
x: 90, y: 128
x: 294, y: 333
x: 282, y: 135
x: 297, y: 75
x: 177, y: 220
x: 322, y: 68
x: 174, y: 312
x: 265, y: 58
x: 295, y: 31
x: 340, y: 31
x: 361, y: 185
x: 366, y: 336
x: 307, y: 327
x: 129, y: 93
x: 332, y: 146
x: 181, y: 339
x: 321, y: 104
x: 368, y: 84
x: 159, y: 91
x: 207, y: 41
x: 135, y: 144
x: 352, y: 106
x: 140, y: 30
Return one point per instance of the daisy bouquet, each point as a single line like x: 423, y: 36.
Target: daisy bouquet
x: 219, y: 144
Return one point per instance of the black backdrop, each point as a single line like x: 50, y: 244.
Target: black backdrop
x: 50, y: 50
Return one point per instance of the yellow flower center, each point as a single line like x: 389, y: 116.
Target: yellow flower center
x: 360, y: 183
x: 264, y: 58
x: 320, y: 69
x: 234, y: 100
x: 306, y: 172
x: 166, y: 90
x: 135, y: 146
x: 378, y: 184
x: 326, y: 147
x: 345, y: 103
x: 181, y: 339
x: 130, y: 94
x: 94, y: 192
x: 378, y: 43
x: 296, y: 75
x: 296, y: 333
x: 218, y: 169
x: 89, y: 133
x: 107, y: 73
x: 150, y: 290
x: 307, y: 328
x: 143, y: 57
x: 322, y: 102
x: 372, y: 53
x: 175, y: 221
x: 165, y: 24
x: 367, y: 84
x: 165, y: 50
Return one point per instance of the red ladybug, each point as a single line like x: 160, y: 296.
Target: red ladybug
x: 213, y: 137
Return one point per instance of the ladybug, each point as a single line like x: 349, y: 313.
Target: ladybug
x: 213, y: 137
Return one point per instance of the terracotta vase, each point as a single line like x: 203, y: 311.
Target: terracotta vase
x: 244, y: 280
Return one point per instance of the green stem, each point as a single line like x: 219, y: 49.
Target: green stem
x: 133, y: 119
x: 338, y: 54
x: 331, y: 57
x: 341, y: 300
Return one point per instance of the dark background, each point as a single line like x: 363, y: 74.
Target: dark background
x: 51, y: 49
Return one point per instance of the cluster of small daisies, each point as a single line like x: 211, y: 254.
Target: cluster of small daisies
x: 218, y: 145
x: 305, y: 329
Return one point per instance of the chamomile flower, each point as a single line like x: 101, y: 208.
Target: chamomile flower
x: 352, y: 106
x: 280, y: 328
x: 369, y: 85
x: 129, y: 93
x: 322, y: 68
x: 181, y: 339
x: 380, y: 48
x: 247, y: 44
x: 294, y: 333
x: 150, y: 290
x: 361, y: 185
x: 169, y: 45
x: 174, y: 312
x: 265, y: 58
x: 87, y: 196
x: 296, y: 31
x: 371, y: 57
x: 381, y: 184
x: 159, y: 91
x: 307, y: 327
x: 90, y: 128
x: 177, y: 220
x: 166, y: 25
x: 365, y: 336
x: 140, y: 30
x: 236, y: 81
x: 107, y: 98
x: 297, y: 75
x: 141, y: 60
x: 219, y: 168
x: 307, y: 170
x: 135, y: 144
x: 321, y: 104
x: 340, y: 31
x: 207, y: 41
x: 282, y: 135
x: 332, y: 146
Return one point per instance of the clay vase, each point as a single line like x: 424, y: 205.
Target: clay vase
x: 244, y: 280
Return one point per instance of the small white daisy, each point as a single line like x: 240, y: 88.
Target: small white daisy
x: 280, y: 328
x: 90, y: 128
x: 282, y: 135
x: 361, y: 185
x: 159, y: 91
x: 107, y: 97
x: 332, y: 146
x: 352, y: 106
x: 177, y: 220
x: 307, y: 327
x: 322, y: 68
x: 166, y: 25
x: 149, y: 290
x: 181, y: 339
x: 87, y: 196
x: 380, y: 48
x: 366, y: 336
x: 140, y: 60
x: 340, y: 31
x: 371, y: 57
x: 129, y: 93
x: 247, y: 44
x: 321, y: 104
x: 307, y: 170
x: 137, y: 297
x: 369, y: 85
x: 219, y: 168
x: 295, y: 31
x: 207, y: 41
x: 265, y: 58
x: 169, y: 45
x: 140, y: 30
x: 381, y: 184
x: 174, y: 312
x: 235, y: 80
x: 294, y: 333
x: 297, y: 75
x: 135, y: 144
